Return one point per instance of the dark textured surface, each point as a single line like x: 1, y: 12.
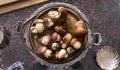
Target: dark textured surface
x: 103, y: 15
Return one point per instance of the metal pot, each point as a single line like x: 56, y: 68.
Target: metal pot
x: 23, y: 28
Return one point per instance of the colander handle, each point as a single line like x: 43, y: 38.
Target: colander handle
x: 97, y: 38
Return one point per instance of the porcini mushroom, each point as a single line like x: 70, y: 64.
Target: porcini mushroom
x: 77, y: 44
x: 61, y: 54
x: 45, y: 40
x: 67, y: 38
x: 40, y: 27
x: 55, y: 46
x: 38, y: 21
x: 79, y: 28
x: 63, y: 45
x: 70, y: 50
x: 56, y: 37
x: 42, y: 49
x: 49, y: 23
x: 48, y: 53
x: 60, y: 30
x: 34, y: 30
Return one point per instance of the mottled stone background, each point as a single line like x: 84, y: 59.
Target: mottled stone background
x: 103, y: 15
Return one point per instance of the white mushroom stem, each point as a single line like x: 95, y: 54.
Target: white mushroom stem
x: 39, y: 27
x: 77, y: 45
x: 45, y: 40
x: 34, y: 30
x: 63, y: 45
x: 38, y: 21
x: 70, y: 50
x: 47, y: 53
x: 53, y: 14
x: 61, y: 54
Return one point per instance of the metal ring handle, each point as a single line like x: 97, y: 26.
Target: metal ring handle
x: 18, y: 27
x: 97, y: 38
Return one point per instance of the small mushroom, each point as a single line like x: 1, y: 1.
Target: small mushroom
x: 66, y: 56
x: 34, y: 30
x: 48, y: 53
x: 60, y: 30
x: 63, y: 45
x: 73, y: 40
x: 67, y: 38
x: 77, y: 45
x: 55, y: 46
x: 56, y: 36
x: 49, y: 23
x: 38, y: 21
x: 45, y: 40
x: 53, y: 14
x: 59, y: 16
x: 42, y: 49
x: 70, y: 50
x: 40, y: 27
x: 61, y: 54
x: 79, y: 28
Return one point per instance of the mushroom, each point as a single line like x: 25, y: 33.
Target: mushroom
x: 59, y: 16
x: 49, y: 23
x: 40, y: 27
x: 53, y: 14
x: 45, y: 40
x: 73, y: 40
x: 79, y: 28
x: 42, y: 49
x: 63, y: 45
x: 70, y: 50
x: 48, y: 53
x: 56, y: 36
x: 61, y: 54
x: 60, y: 30
x: 34, y: 30
x: 38, y: 21
x: 66, y: 56
x: 55, y: 46
x: 67, y: 38
x: 77, y: 45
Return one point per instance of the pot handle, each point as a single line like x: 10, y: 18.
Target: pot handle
x: 97, y: 38
x: 18, y: 26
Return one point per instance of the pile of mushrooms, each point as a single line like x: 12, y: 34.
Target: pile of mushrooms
x: 60, y: 43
